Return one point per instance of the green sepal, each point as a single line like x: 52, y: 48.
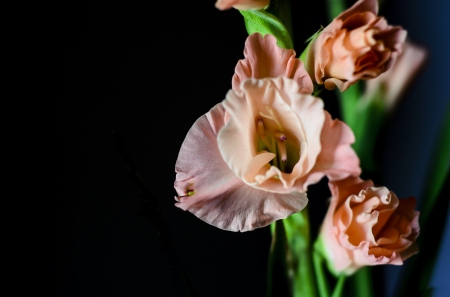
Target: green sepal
x: 259, y: 21
x: 310, y: 40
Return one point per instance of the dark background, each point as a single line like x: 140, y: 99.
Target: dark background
x: 147, y: 71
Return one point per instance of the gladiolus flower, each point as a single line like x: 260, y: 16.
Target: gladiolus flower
x: 367, y: 225
x: 242, y: 4
x: 264, y: 58
x: 356, y: 45
x: 249, y: 160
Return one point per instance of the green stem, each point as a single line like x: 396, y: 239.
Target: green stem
x: 300, y: 258
x: 361, y: 283
x: 277, y: 270
x: 322, y: 282
x: 339, y: 286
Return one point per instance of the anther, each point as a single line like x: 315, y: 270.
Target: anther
x: 261, y: 130
x: 280, y: 136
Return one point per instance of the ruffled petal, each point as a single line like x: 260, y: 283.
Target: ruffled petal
x: 265, y: 59
x: 337, y: 159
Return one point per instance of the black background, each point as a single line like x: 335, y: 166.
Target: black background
x: 147, y: 71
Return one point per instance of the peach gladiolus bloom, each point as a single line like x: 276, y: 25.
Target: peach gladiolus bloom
x: 264, y: 58
x: 249, y: 160
x: 356, y: 45
x: 242, y: 4
x: 367, y: 225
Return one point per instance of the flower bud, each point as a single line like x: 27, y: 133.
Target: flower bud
x: 367, y: 225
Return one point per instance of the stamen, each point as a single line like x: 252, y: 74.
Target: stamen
x: 282, y: 150
x: 280, y: 136
x: 261, y: 130
x: 262, y: 134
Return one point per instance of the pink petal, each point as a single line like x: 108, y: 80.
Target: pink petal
x: 264, y: 59
x: 312, y: 116
x: 337, y: 160
x: 242, y: 4
x: 219, y: 197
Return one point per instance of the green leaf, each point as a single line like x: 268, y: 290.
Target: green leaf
x: 266, y: 23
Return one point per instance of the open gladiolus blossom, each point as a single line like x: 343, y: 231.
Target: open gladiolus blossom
x: 367, y: 225
x: 356, y: 45
x: 248, y: 162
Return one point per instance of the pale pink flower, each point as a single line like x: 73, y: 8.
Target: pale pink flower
x: 393, y: 83
x: 264, y: 58
x: 249, y: 160
x: 356, y: 45
x: 367, y: 225
x: 242, y: 4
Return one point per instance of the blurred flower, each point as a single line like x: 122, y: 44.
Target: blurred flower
x: 367, y: 225
x: 242, y: 4
x: 393, y: 83
x: 264, y: 58
x: 249, y: 160
x: 356, y: 45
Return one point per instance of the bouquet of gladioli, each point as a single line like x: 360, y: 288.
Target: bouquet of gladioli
x: 249, y: 161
